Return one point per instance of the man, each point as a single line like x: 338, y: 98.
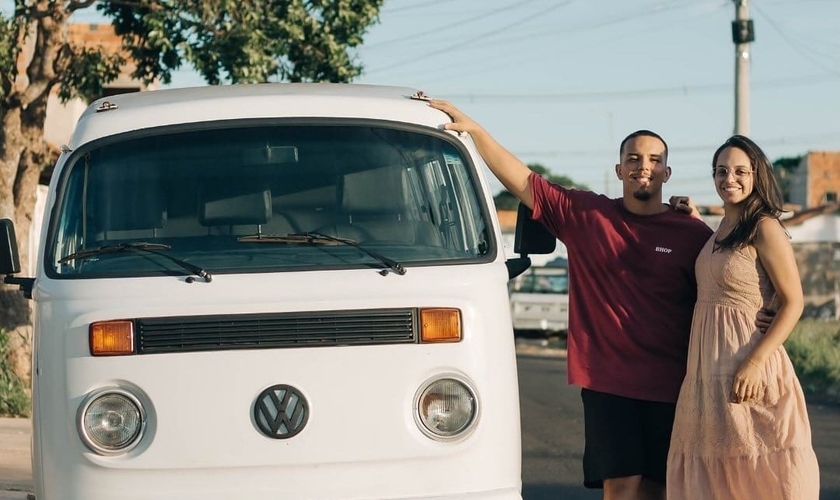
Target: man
x: 632, y: 293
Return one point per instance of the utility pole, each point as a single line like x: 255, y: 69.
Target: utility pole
x: 742, y: 34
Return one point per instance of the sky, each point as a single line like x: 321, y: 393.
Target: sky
x: 562, y: 82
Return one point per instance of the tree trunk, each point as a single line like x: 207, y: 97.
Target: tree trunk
x: 22, y: 153
x: 11, y: 149
x: 15, y: 310
x: 25, y: 191
x: 32, y: 162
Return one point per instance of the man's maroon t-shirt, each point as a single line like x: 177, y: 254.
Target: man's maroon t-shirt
x: 631, y: 290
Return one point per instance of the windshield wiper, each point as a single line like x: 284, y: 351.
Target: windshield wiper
x: 316, y: 238
x: 140, y: 246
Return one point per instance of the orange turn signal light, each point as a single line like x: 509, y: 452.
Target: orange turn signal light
x: 440, y: 325
x: 112, y: 338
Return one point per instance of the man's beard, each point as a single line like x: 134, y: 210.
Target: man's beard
x: 642, y: 194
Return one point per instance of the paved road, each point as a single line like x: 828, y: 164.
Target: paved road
x: 552, y: 435
x: 15, y: 466
x: 552, y: 438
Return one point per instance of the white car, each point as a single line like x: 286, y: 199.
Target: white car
x: 539, y: 301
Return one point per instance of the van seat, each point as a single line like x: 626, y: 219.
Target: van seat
x: 375, y: 209
x: 234, y: 206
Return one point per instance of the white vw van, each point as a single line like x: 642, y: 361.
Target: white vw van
x: 280, y: 291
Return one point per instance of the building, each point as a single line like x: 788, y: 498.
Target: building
x: 816, y: 181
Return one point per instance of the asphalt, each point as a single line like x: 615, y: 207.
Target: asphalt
x: 15, y: 459
x: 15, y: 435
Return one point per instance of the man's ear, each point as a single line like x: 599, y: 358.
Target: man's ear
x: 667, y: 174
x: 618, y: 171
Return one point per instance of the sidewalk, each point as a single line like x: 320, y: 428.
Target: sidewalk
x: 15, y: 461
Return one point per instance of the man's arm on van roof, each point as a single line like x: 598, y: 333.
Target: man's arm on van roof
x: 512, y: 173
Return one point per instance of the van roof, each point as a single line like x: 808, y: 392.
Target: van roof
x: 127, y: 112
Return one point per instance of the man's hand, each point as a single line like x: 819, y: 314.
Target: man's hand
x: 764, y: 318
x: 460, y: 122
x: 685, y: 205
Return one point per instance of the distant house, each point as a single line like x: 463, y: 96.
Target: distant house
x: 816, y: 181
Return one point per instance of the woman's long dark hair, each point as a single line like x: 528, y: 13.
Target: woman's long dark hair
x: 764, y: 201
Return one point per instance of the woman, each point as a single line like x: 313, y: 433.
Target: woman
x: 741, y: 427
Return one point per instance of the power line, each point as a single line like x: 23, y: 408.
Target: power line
x: 794, y: 45
x: 440, y: 29
x: 642, y: 93
x: 494, y: 32
x: 423, y: 4
x: 555, y: 31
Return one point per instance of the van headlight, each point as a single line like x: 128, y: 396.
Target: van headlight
x: 111, y: 421
x: 446, y: 408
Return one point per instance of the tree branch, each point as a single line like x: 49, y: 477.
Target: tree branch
x: 75, y: 5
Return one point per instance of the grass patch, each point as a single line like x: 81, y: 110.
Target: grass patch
x: 814, y: 349
x: 14, y: 400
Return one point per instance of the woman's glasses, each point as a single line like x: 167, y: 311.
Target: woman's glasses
x: 739, y: 172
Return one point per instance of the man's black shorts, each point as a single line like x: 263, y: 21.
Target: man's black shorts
x: 624, y: 437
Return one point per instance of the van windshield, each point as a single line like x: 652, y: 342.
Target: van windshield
x: 232, y: 199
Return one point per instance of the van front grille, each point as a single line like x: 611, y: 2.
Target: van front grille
x: 276, y: 331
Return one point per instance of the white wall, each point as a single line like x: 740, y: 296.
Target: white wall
x: 816, y: 229
x: 61, y: 119
x: 35, y: 230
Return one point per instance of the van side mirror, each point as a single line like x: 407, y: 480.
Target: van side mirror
x: 531, y: 237
x: 10, y: 259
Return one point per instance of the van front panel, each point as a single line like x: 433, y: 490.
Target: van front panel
x: 361, y: 439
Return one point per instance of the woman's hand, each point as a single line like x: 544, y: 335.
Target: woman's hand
x: 749, y: 384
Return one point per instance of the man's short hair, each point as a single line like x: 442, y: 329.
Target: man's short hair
x: 640, y: 133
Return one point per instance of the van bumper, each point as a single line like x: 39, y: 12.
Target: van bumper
x: 229, y: 485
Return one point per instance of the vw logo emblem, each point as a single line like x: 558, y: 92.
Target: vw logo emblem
x: 281, y: 411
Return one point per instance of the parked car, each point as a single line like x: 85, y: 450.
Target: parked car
x: 539, y: 301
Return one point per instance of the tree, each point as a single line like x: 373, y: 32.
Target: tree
x: 244, y: 40
x: 784, y: 167
x: 235, y: 41
x: 504, y: 200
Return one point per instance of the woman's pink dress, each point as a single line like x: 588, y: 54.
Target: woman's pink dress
x: 721, y: 449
